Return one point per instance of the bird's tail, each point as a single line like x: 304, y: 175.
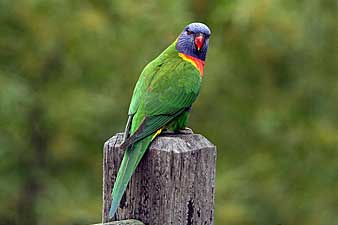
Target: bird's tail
x: 130, y: 160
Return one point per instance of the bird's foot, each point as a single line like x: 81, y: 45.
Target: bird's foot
x: 166, y: 131
x: 186, y: 130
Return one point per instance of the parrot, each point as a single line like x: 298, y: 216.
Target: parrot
x: 162, y: 100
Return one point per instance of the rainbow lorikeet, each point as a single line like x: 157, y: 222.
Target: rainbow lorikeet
x: 162, y: 99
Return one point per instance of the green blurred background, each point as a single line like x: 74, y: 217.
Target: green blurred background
x: 269, y: 101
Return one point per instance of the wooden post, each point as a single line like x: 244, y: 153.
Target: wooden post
x: 173, y: 184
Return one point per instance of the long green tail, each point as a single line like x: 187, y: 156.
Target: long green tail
x: 130, y: 160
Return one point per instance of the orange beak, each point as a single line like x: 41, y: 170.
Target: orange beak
x: 199, y: 41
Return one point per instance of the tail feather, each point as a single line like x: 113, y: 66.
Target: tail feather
x: 131, y: 159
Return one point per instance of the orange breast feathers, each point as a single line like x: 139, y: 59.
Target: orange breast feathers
x: 197, y: 63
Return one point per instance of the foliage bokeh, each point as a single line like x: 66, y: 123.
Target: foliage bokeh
x: 268, y: 101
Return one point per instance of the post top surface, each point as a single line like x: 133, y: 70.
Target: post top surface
x: 176, y: 143
x: 122, y: 222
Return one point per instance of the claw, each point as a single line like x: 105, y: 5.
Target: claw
x: 166, y: 131
x: 186, y: 130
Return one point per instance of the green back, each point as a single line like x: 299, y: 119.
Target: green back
x: 166, y: 86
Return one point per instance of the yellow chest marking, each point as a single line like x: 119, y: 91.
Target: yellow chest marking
x: 197, y: 63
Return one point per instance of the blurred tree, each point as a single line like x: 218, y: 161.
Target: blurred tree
x: 67, y: 69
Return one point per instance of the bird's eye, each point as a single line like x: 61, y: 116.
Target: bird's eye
x: 189, y: 32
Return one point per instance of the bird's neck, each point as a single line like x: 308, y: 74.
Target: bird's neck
x: 171, y: 51
x: 197, y: 63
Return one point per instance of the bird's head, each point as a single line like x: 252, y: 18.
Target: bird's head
x: 194, y: 40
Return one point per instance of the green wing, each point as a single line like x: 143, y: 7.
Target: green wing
x: 167, y: 92
x: 147, y: 75
x: 143, y: 82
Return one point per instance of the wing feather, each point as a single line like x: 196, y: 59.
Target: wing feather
x: 162, y: 93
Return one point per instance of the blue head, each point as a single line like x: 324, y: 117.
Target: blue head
x: 194, y: 40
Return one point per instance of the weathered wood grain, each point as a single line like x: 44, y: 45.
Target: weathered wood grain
x: 174, y: 183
